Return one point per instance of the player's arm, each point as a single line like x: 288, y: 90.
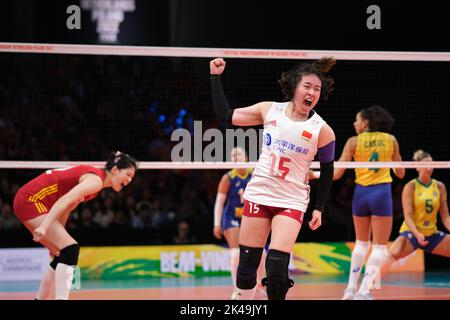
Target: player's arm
x: 443, y: 206
x: 325, y: 152
x: 347, y: 155
x: 251, y: 116
x: 65, y: 216
x: 399, y: 172
x: 248, y: 116
x: 408, y: 208
x: 222, y: 191
x: 90, y: 184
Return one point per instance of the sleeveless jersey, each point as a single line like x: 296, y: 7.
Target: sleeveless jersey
x: 280, y: 178
x: 234, y: 205
x: 373, y: 146
x: 426, y: 206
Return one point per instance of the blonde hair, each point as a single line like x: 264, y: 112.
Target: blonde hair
x: 420, y: 155
x: 237, y: 149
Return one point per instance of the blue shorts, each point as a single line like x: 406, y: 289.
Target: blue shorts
x: 375, y: 200
x: 433, y: 240
x: 230, y: 222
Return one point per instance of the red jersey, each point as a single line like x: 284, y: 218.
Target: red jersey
x: 40, y: 194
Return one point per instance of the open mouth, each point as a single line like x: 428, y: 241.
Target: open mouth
x: 308, y: 102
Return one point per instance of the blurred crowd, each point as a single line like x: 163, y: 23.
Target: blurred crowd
x: 176, y: 207
x: 80, y: 108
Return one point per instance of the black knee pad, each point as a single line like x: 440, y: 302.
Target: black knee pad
x: 249, y: 259
x: 277, y: 281
x: 54, y: 262
x: 69, y: 255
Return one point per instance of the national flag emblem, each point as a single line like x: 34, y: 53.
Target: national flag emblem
x: 306, y: 134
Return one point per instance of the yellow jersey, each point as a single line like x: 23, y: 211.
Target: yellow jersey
x: 373, y: 146
x: 235, y: 200
x: 426, y: 206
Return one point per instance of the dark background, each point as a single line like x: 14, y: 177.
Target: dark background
x: 338, y: 25
x: 417, y: 94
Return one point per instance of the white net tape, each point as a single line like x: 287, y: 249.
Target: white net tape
x: 220, y: 52
x: 219, y: 165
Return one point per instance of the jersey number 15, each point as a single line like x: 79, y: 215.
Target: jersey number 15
x: 278, y: 168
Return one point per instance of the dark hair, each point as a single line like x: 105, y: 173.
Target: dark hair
x: 290, y: 79
x: 379, y: 119
x: 420, y: 155
x: 120, y: 160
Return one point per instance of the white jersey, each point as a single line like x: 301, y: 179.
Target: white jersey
x: 280, y: 178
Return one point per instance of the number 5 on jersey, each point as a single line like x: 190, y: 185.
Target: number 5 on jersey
x: 278, y: 167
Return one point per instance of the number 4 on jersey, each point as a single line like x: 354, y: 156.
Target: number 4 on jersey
x: 374, y: 157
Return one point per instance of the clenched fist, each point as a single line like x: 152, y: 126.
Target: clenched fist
x: 217, y: 66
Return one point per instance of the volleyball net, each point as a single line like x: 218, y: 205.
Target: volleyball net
x: 63, y: 105
x: 79, y: 102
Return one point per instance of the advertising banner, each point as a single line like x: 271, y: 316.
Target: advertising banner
x: 23, y: 264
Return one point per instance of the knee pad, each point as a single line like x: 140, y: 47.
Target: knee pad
x: 379, y: 253
x: 277, y: 281
x: 249, y: 259
x: 69, y: 255
x: 54, y: 262
x: 361, y: 247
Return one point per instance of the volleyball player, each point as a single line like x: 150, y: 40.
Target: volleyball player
x: 422, y: 198
x: 44, y: 204
x: 228, y: 212
x: 372, y: 198
x: 278, y: 193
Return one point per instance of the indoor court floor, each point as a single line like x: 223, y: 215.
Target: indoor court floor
x: 396, y: 286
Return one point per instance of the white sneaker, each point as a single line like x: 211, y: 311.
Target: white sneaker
x: 349, y: 294
x: 363, y: 296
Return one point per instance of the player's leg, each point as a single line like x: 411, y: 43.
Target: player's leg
x: 232, y: 237
x: 68, y: 259
x: 33, y: 224
x: 260, y: 274
x: 359, y: 254
x: 285, y: 230
x: 403, y: 246
x: 442, y: 247
x: 255, y: 227
x: 381, y: 221
x: 58, y: 237
x: 399, y: 249
x: 381, y: 228
x: 46, y: 289
x: 361, y: 223
x: 47, y: 285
